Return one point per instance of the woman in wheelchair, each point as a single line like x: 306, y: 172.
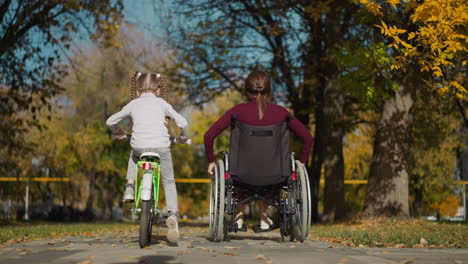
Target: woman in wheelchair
x: 259, y: 151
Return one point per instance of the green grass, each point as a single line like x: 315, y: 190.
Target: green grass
x: 394, y: 233
x: 22, y: 231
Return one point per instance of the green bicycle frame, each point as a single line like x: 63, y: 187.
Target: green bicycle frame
x: 156, y: 179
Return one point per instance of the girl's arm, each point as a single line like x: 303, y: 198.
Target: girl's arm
x: 113, y: 121
x: 178, y: 118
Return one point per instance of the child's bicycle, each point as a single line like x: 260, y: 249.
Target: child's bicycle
x: 147, y: 193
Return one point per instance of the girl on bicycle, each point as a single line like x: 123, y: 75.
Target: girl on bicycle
x: 150, y: 134
x: 258, y: 111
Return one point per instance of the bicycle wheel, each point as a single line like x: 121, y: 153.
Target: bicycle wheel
x: 145, y: 224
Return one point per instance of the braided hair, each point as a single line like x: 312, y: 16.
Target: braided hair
x: 145, y: 81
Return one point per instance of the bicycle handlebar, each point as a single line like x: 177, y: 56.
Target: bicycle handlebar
x: 174, y: 140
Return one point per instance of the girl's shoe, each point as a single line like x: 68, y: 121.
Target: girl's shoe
x: 172, y: 228
x: 129, y: 194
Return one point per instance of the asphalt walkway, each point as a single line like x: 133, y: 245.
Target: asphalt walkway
x: 194, y: 247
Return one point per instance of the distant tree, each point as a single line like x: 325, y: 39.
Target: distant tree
x: 35, y: 36
x: 437, y: 134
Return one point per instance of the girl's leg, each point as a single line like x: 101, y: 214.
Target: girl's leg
x: 131, y: 169
x: 131, y: 174
x: 167, y: 179
x: 168, y: 183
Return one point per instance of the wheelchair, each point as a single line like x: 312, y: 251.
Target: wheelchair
x: 259, y: 157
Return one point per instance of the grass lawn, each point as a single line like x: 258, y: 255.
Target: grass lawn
x: 394, y: 233
x: 23, y: 231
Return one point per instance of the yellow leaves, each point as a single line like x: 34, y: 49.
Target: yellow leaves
x: 393, y: 3
x: 438, y: 44
x: 458, y: 87
x: 373, y: 7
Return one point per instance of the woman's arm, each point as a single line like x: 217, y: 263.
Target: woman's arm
x: 303, y: 133
x: 218, y: 127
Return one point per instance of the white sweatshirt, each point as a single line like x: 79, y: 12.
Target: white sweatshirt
x: 148, y: 114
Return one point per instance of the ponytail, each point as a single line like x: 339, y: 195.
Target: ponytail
x: 262, y: 104
x: 258, y: 86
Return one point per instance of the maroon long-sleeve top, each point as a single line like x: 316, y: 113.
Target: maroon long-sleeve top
x: 248, y: 113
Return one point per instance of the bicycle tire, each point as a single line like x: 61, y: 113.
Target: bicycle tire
x: 145, y: 224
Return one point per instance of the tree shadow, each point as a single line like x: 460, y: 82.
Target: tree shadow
x: 153, y: 260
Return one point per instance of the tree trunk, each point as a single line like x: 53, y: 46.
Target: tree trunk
x: 92, y: 192
x: 387, y: 188
x: 317, y: 163
x: 332, y: 142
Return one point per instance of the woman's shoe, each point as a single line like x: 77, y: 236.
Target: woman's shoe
x: 240, y: 220
x: 265, y: 223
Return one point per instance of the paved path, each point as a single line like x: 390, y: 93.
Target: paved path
x: 122, y: 247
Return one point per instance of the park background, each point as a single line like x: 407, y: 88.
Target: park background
x: 380, y: 84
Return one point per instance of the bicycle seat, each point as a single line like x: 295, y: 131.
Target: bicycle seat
x: 149, y: 154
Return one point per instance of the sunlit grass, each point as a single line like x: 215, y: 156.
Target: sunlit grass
x: 394, y: 233
x: 19, y: 231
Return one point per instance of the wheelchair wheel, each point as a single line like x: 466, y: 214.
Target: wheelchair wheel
x: 303, y: 215
x: 217, y: 203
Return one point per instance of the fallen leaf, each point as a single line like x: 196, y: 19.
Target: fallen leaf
x: 292, y: 246
x: 179, y: 253
x: 406, y: 261
x: 146, y: 247
x: 231, y: 254
x: 344, y: 260
x: 83, y: 262
x: 232, y: 247
x: 261, y: 256
x: 423, y: 242
x: 385, y: 252
x: 209, y: 250
x: 51, y: 243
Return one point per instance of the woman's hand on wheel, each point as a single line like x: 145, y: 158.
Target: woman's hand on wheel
x: 211, y: 167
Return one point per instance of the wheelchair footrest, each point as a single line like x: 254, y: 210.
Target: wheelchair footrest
x: 257, y: 229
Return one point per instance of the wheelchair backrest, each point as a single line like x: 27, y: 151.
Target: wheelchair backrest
x: 259, y: 155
